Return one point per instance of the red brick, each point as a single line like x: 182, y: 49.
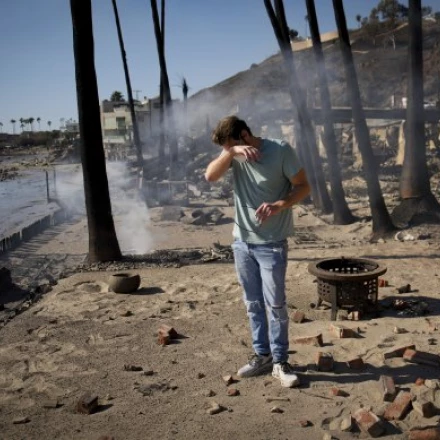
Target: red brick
x: 310, y: 340
x: 423, y: 399
x: 399, y: 408
x: 369, y: 422
x: 354, y: 316
x: 339, y: 331
x: 324, y: 361
x: 419, y: 381
x: 163, y: 338
x: 387, y: 388
x: 334, y: 391
x: 356, y: 364
x: 425, y: 433
x: 233, y: 392
x: 298, y: 317
x: 168, y: 330
x: 398, y: 352
x: 382, y: 282
x: 421, y: 357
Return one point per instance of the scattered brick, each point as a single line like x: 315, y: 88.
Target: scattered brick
x: 369, y: 422
x: 21, y: 420
x: 398, y: 352
x: 106, y: 437
x: 340, y: 331
x: 398, y: 409
x: 87, y: 404
x: 425, y: 433
x: 382, y: 282
x: 305, y: 423
x: 421, y: 357
x: 276, y: 410
x: 228, y: 379
x: 355, y: 315
x: 356, y: 364
x: 334, y: 391
x: 310, y: 340
x: 420, y: 381
x: 215, y: 409
x: 232, y: 392
x: 163, y: 339
x: 298, y: 317
x: 324, y: 361
x: 387, y: 388
x: 168, y: 330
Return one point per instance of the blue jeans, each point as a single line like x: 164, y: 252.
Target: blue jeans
x: 261, y: 271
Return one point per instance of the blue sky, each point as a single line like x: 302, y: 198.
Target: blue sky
x: 207, y: 41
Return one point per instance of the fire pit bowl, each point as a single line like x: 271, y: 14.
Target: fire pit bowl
x: 124, y: 282
x: 347, y: 282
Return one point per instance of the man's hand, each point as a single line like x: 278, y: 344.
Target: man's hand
x: 251, y: 154
x: 266, y: 210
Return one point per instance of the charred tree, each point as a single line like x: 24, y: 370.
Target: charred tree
x: 418, y: 202
x: 159, y: 34
x: 136, y: 136
x: 103, y: 243
x: 382, y: 223
x: 341, y: 213
x: 303, y: 124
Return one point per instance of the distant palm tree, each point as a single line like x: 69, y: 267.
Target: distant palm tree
x: 39, y: 121
x: 22, y: 127
x: 49, y: 123
x: 359, y: 19
x: 103, y: 242
x: 22, y: 123
x: 1, y: 127
x: 136, y: 135
x: 13, y: 121
x: 31, y: 122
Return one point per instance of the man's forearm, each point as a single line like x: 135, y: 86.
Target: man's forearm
x: 218, y: 167
x: 298, y: 193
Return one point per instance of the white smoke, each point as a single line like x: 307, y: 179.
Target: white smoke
x: 130, y: 213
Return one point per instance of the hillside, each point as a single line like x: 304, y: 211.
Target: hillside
x: 381, y: 69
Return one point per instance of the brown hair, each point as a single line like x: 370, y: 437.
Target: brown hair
x: 229, y: 128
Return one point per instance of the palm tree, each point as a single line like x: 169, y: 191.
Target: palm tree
x: 160, y: 38
x: 31, y: 122
x: 49, y: 123
x: 1, y: 127
x: 39, y: 123
x: 136, y: 136
x: 103, y: 243
x: 13, y: 121
x: 22, y: 123
x: 304, y: 131
x: 359, y: 20
x: 415, y: 188
x: 341, y: 212
x: 382, y: 223
x: 22, y: 127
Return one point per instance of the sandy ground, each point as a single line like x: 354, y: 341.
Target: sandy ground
x: 82, y: 338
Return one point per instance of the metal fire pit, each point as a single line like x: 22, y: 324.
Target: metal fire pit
x: 347, y: 283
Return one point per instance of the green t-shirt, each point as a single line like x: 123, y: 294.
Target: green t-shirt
x: 266, y: 180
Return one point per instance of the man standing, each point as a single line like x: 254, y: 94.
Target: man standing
x: 268, y: 181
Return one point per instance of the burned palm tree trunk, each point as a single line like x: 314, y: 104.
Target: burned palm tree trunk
x: 136, y: 136
x: 165, y: 81
x: 381, y: 219
x: 415, y: 188
x: 303, y: 125
x: 341, y: 213
x: 103, y: 243
x: 161, y: 91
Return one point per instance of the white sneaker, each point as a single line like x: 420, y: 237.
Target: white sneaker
x: 284, y: 372
x: 258, y: 364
